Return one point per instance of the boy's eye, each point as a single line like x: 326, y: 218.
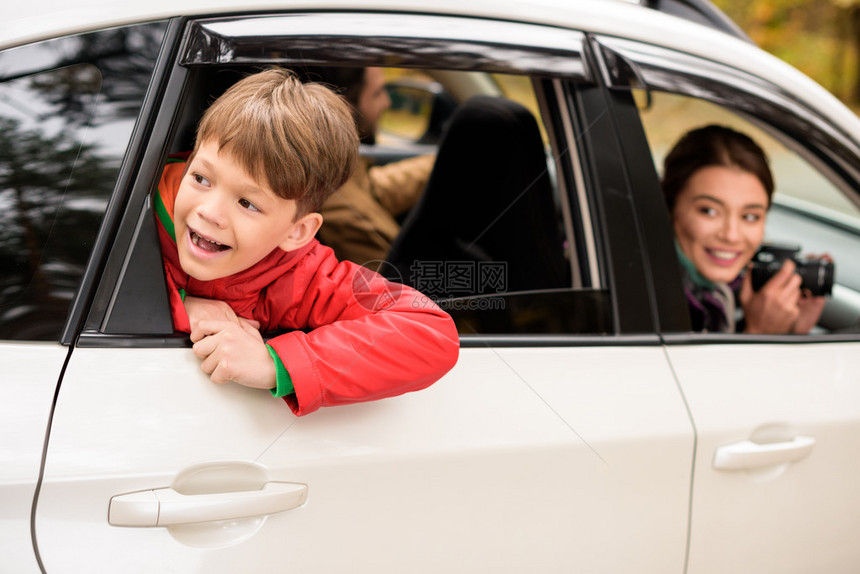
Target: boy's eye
x: 752, y: 217
x: 248, y: 205
x: 705, y: 210
x: 200, y: 180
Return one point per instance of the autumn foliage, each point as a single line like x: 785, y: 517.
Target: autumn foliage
x: 819, y: 37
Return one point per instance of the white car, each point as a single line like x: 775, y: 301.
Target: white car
x: 584, y: 429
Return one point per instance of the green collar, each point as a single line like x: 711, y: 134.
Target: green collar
x: 697, y: 278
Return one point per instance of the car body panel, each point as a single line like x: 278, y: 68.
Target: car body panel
x: 30, y: 375
x: 772, y: 518
x: 514, y: 453
x: 552, y: 454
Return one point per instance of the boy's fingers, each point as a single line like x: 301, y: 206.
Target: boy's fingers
x: 253, y: 323
x: 208, y: 327
x: 204, y: 347
x: 210, y: 363
x: 220, y: 374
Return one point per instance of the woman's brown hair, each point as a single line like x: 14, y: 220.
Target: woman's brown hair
x: 713, y: 145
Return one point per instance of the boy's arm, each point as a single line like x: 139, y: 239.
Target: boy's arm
x: 370, y: 339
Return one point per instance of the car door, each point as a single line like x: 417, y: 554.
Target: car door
x: 777, y: 418
x: 560, y: 441
x: 64, y: 126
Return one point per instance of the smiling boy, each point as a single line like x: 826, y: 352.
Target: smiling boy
x: 238, y: 221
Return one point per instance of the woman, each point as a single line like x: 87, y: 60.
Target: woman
x: 718, y: 188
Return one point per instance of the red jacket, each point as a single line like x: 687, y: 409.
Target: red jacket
x: 367, y: 338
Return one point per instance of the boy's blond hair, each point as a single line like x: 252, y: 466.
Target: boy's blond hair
x: 300, y: 139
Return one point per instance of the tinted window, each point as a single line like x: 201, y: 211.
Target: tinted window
x: 497, y: 235
x: 487, y: 239
x: 67, y: 111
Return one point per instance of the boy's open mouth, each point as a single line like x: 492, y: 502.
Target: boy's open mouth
x: 205, y: 244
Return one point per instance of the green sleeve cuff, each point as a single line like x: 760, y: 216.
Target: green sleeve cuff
x: 182, y: 294
x: 284, y: 383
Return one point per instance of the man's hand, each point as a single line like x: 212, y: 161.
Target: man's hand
x: 200, y: 309
x: 233, y: 350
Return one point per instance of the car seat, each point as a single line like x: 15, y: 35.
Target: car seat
x: 489, y: 199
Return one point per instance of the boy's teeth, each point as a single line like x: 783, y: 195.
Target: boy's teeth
x: 206, y: 244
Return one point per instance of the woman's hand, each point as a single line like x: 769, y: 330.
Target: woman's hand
x: 779, y: 307
x: 773, y: 309
x: 810, y: 307
x: 810, y: 310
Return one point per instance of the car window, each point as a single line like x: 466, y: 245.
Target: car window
x: 667, y: 116
x: 67, y: 111
x: 490, y: 237
x: 812, y: 210
x: 488, y: 230
x: 509, y: 252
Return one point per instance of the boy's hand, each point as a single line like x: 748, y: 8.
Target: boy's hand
x: 200, y: 309
x: 233, y: 350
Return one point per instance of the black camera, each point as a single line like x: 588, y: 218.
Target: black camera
x: 817, y: 273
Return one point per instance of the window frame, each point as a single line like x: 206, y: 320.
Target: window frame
x: 618, y: 261
x: 127, y: 239
x: 626, y: 65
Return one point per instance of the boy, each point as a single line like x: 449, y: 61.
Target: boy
x: 237, y: 237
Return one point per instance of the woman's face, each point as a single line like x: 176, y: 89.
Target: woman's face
x: 719, y: 219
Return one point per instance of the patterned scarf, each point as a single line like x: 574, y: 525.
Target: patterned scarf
x: 712, y: 304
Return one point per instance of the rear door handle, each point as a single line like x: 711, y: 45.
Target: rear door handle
x: 167, y: 507
x: 747, y: 454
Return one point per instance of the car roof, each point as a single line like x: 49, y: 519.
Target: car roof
x: 22, y: 24
x: 699, y: 33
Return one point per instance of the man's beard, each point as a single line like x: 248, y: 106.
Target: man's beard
x: 366, y: 132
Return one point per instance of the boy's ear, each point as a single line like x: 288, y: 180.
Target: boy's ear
x: 303, y: 230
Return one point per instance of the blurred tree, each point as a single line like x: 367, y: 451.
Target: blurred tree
x: 123, y: 56
x: 849, y: 34
x: 819, y: 37
x: 52, y: 190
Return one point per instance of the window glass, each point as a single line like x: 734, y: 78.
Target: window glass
x: 67, y: 111
x: 484, y: 233
x: 667, y: 116
x: 458, y: 196
x: 810, y: 212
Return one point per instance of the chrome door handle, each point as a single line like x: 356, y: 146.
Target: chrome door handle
x: 747, y: 454
x: 166, y: 507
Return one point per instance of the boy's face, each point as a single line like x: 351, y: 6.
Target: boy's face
x: 226, y: 221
